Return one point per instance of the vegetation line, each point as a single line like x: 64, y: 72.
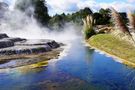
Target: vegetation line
x: 121, y: 60
x: 114, y: 47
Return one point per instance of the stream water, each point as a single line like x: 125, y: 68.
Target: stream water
x: 81, y: 69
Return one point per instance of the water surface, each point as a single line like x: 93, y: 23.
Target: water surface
x: 81, y: 69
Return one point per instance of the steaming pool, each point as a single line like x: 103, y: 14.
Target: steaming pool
x: 81, y: 69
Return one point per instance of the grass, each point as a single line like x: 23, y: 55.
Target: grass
x: 119, y: 22
x: 88, y: 27
x: 131, y: 18
x: 114, y: 46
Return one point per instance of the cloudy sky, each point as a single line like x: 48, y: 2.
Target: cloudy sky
x: 69, y: 6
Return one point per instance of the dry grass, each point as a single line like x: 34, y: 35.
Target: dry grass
x: 88, y: 21
x: 88, y: 27
x: 118, y: 22
x: 131, y: 18
x: 121, y: 26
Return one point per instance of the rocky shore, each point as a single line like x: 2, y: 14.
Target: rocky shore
x: 11, y: 46
x: 15, y: 52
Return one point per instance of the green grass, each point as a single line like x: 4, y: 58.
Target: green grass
x: 114, y: 46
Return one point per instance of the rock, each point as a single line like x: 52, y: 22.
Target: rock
x: 30, y: 42
x: 53, y: 44
x: 24, y: 50
x: 104, y: 29
x: 16, y: 39
x: 3, y: 36
x: 13, y: 46
x: 6, y: 43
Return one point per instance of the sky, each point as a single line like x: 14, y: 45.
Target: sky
x: 70, y: 6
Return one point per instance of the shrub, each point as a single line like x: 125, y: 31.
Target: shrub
x: 89, y: 32
x: 88, y: 27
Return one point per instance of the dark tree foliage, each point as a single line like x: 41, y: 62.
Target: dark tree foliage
x: 78, y: 16
x: 85, y: 12
x: 103, y: 17
x: 124, y: 17
x: 60, y: 20
x: 98, y: 17
x: 89, y: 33
x: 57, y: 21
x: 40, y: 10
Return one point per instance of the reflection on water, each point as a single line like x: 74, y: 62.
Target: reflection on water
x: 81, y: 69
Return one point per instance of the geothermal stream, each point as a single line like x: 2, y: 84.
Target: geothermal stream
x: 23, y: 41
x: 24, y: 61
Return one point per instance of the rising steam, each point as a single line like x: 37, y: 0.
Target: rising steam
x: 17, y: 24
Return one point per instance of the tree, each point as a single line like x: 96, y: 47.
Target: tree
x: 85, y: 12
x: 98, y: 18
x: 105, y: 12
x: 57, y: 21
x: 81, y: 14
x: 40, y: 11
x: 102, y: 17
x: 124, y: 17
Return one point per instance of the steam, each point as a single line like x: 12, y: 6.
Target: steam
x: 17, y: 24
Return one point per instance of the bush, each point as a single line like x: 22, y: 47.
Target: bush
x: 88, y: 27
x: 89, y: 32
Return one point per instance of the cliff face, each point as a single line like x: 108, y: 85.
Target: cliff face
x: 13, y: 46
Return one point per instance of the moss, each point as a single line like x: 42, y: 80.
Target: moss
x: 114, y: 46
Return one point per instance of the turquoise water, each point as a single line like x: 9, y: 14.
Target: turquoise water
x: 81, y: 69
